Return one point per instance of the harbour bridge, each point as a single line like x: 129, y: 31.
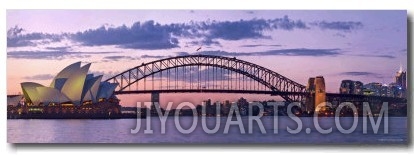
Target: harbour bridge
x: 209, y: 74
x: 218, y: 74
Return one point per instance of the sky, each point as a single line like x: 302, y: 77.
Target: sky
x: 368, y: 46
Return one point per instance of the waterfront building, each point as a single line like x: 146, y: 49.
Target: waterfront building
x: 72, y: 85
x: 358, y: 87
x: 73, y: 93
x: 401, y: 82
x: 351, y: 87
x: 394, y: 90
x: 373, y: 88
x: 347, y: 87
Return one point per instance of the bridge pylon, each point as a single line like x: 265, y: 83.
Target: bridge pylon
x: 155, y: 98
x: 317, y: 89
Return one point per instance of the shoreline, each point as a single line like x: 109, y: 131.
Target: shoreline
x: 74, y: 116
x: 134, y: 116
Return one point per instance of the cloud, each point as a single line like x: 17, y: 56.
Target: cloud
x: 40, y: 77
x: 345, y: 26
x: 148, y: 35
x: 285, y: 52
x: 339, y: 35
x: 286, y: 23
x: 205, y: 42
x: 250, y: 12
x: 370, y: 74
x: 182, y: 53
x: 14, y: 31
x: 221, y: 53
x: 237, y: 30
x: 403, y: 50
x: 303, y: 52
x: 379, y: 56
x: 17, y: 42
x: 248, y: 29
x: 145, y: 56
x: 63, y: 48
x: 15, y: 38
x: 118, y: 58
x: 50, y: 55
x: 258, y: 45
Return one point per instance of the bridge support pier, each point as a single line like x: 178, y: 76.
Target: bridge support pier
x: 155, y: 98
x: 316, y: 87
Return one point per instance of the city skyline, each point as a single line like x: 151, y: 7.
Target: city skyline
x: 367, y: 46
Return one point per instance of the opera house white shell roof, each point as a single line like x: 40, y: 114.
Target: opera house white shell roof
x: 72, y: 84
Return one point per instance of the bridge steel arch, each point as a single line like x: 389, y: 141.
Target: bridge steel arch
x: 288, y: 89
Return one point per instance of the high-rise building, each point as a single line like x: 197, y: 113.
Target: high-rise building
x: 393, y: 89
x: 358, y: 87
x: 384, y: 91
x: 347, y: 87
x: 401, y: 82
x: 373, y: 88
x: 351, y: 87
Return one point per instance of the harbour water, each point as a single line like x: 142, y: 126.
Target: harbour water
x: 119, y: 131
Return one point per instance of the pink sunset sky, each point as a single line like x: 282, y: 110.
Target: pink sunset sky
x: 368, y: 46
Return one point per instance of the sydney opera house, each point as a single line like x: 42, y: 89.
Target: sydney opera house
x: 72, y: 92
x: 71, y: 85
